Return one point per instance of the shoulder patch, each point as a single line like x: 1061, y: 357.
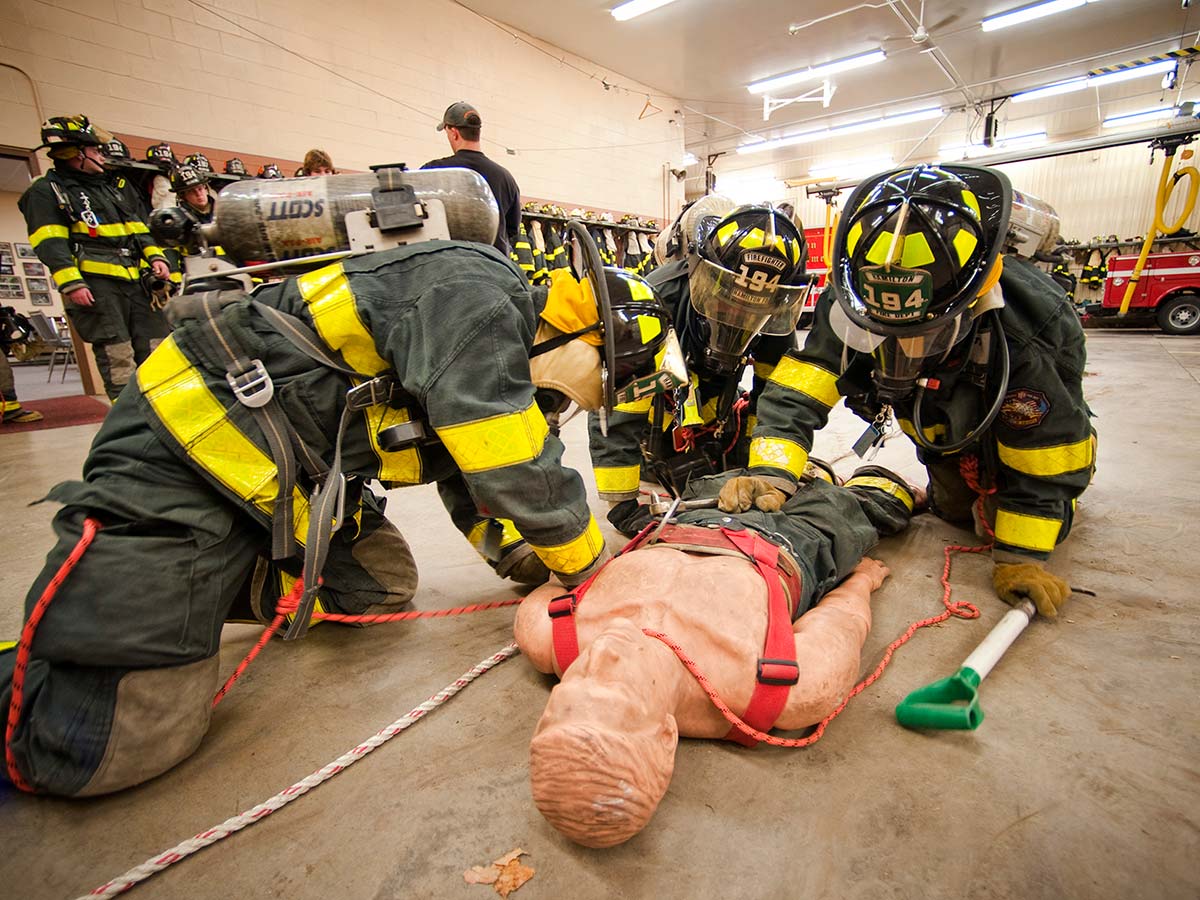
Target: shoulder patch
x: 1023, y: 408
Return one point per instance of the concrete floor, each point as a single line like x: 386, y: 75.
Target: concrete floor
x: 1083, y: 781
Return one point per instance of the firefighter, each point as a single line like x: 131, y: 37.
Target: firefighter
x: 735, y: 287
x: 190, y: 184
x: 409, y: 366
x: 86, y: 229
x: 978, y: 356
x: 15, y: 329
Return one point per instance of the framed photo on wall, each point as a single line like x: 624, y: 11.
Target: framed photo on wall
x: 34, y: 269
x: 6, y: 268
x: 38, y: 284
x: 11, y: 288
x: 25, y: 251
x: 40, y: 298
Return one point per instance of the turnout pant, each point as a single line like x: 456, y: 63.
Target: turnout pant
x: 124, y: 664
x: 121, y: 327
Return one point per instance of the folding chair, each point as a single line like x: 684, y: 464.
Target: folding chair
x: 58, y: 343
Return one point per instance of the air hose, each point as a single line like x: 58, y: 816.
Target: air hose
x: 1166, y: 185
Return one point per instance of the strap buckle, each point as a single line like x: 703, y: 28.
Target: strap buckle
x: 252, y: 386
x: 563, y: 605
x: 784, y: 672
x: 370, y: 393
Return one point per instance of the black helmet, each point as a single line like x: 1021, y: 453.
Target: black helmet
x: 235, y: 166
x: 161, y: 155
x: 198, y: 161
x: 185, y: 177
x: 748, y: 279
x: 912, y: 256
x: 270, y: 170
x: 70, y: 131
x: 638, y: 326
x: 116, y: 150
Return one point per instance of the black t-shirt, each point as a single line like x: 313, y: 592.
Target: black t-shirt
x: 503, y: 185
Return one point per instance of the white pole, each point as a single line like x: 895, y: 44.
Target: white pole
x: 984, y: 657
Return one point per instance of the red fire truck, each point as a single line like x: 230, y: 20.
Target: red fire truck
x: 1168, y: 291
x: 815, y: 238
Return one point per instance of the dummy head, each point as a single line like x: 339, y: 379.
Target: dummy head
x: 604, y: 751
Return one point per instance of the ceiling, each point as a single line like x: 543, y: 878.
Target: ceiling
x: 703, y: 53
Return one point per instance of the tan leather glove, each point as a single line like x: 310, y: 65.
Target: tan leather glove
x: 742, y: 492
x: 1015, y: 582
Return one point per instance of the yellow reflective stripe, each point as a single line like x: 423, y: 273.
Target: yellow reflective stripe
x: 7, y: 645
x: 508, y: 536
x: 916, y: 251
x: 1046, y: 462
x: 639, y: 290
x: 110, y: 270
x: 725, y: 233
x: 196, y: 419
x: 64, y: 276
x: 286, y: 583
x: 808, y: 379
x: 877, y: 253
x: 751, y: 424
x: 964, y: 242
x: 899, y: 491
x: 48, y: 232
x: 778, y: 453
x: 972, y: 201
x: 1031, y: 532
x: 931, y: 433
x: 649, y: 327
x: 853, y: 235
x: 335, y: 315
x: 573, y: 556
x: 497, y: 441
x: 763, y: 370
x: 641, y: 405
x: 399, y: 466
x: 111, y: 229
x: 177, y: 277
x: 753, y: 238
x: 617, y: 479
x: 152, y: 251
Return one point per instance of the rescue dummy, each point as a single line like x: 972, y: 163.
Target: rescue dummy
x: 212, y: 479
x: 735, y: 283
x: 603, y: 752
x: 979, y: 357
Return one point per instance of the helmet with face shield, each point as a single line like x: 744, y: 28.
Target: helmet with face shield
x: 747, y: 279
x: 917, y: 250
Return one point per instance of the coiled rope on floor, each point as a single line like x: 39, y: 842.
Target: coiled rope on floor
x: 161, y: 861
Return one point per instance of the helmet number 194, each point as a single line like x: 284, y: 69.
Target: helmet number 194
x: 755, y: 281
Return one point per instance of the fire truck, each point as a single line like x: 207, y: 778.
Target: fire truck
x: 1168, y: 291
x: 817, y: 267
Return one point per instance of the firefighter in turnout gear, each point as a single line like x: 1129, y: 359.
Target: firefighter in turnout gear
x: 86, y: 228
x: 978, y: 356
x: 735, y: 285
x: 249, y: 436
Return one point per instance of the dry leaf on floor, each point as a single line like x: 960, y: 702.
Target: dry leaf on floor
x: 481, y: 875
x: 512, y: 876
x: 508, y: 857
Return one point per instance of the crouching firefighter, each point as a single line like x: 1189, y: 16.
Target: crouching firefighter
x: 250, y: 433
x: 937, y: 318
x: 735, y: 283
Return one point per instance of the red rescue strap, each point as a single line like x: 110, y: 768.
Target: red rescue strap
x: 777, y: 669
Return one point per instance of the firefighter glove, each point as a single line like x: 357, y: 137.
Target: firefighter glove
x: 629, y: 517
x: 1015, y: 582
x: 743, y: 492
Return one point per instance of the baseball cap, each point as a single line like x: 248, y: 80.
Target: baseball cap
x: 458, y: 115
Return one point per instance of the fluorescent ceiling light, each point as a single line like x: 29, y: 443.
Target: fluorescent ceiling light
x: 952, y: 152
x: 851, y: 168
x: 840, y: 65
x: 636, y: 7
x: 1029, y: 13
x: 1130, y: 74
x: 689, y: 159
x: 1146, y: 115
x: 815, y: 134
x: 1078, y: 84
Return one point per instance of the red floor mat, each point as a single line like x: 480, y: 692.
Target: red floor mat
x: 60, y: 412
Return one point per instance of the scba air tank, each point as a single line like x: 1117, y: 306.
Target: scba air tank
x: 265, y: 220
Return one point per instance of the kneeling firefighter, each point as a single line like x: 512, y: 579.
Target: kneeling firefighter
x: 734, y: 280
x: 979, y: 356
x: 250, y: 433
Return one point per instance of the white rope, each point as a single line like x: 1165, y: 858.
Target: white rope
x: 157, y: 863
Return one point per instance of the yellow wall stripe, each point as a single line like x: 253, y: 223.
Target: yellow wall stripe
x: 778, y: 453
x: 808, y: 379
x: 573, y: 556
x: 1031, y: 532
x: 497, y: 441
x: 331, y: 305
x: 617, y: 479
x: 48, y: 232
x: 898, y: 491
x: 198, y: 421
x: 1046, y: 462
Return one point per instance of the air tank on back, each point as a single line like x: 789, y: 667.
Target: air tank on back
x: 267, y: 220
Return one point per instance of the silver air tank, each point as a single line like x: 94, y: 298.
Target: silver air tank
x: 1033, y: 226
x: 267, y: 220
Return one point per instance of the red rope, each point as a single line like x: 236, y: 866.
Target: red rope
x: 90, y: 527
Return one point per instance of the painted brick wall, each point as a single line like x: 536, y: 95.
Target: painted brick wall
x: 366, y: 81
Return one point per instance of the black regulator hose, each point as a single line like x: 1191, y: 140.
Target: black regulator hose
x: 974, y: 433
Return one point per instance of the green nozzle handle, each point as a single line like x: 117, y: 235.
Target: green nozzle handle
x: 951, y: 703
